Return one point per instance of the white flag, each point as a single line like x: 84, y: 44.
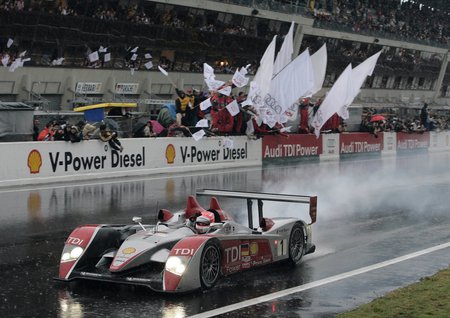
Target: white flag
x: 225, y: 91
x: 239, y: 79
x: 263, y: 76
x: 208, y: 72
x: 213, y: 85
x: 198, y: 135
x: 134, y: 50
x: 58, y: 61
x: 284, y: 56
x: 250, y: 128
x: 233, y: 108
x: 203, y: 123
x: 286, y: 129
x: 148, y: 65
x: 334, y: 100
x: 102, y: 49
x: 260, y: 86
x: 294, y: 81
x: 163, y: 71
x: 359, y: 75
x: 107, y: 57
x: 9, y: 43
x: 134, y: 57
x: 5, y: 60
x: 148, y: 56
x: 205, y: 104
x: 93, y: 57
x: 319, y: 63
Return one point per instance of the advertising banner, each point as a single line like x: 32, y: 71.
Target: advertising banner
x: 127, y: 88
x: 88, y: 88
x: 29, y: 162
x: 406, y: 141
x: 296, y: 146
x: 360, y: 143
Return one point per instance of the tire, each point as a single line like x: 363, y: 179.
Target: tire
x: 296, y: 244
x: 210, y: 265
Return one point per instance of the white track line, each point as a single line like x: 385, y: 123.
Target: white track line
x: 321, y: 282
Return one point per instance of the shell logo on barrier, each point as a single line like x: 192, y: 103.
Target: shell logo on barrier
x: 170, y: 153
x: 34, y: 161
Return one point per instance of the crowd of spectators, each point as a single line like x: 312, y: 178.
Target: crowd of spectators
x: 406, y: 20
x: 374, y: 122
x: 394, y: 16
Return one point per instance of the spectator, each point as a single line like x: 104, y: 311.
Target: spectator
x: 46, y: 133
x: 87, y: 130
x: 425, y: 116
x: 73, y: 134
x: 184, y: 105
x: 109, y: 136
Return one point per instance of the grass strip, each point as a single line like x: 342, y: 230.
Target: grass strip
x: 430, y: 297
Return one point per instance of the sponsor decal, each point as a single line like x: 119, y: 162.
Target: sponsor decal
x: 253, y: 248
x: 34, y: 161
x: 296, y: 146
x: 127, y: 88
x: 183, y: 251
x: 413, y: 141
x: 360, y: 143
x: 74, y: 241
x: 170, y: 154
x: 245, y: 250
x: 129, y: 250
x: 68, y: 161
x: 88, y: 88
x: 194, y: 154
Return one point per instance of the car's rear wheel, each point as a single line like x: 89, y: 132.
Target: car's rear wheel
x: 296, y: 244
x: 210, y: 265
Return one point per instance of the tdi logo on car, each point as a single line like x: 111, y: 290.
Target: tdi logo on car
x: 74, y: 240
x: 184, y: 251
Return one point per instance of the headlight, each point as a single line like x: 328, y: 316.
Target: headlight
x: 176, y: 265
x: 71, y: 253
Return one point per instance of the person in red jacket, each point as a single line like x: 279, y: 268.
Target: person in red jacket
x: 222, y: 121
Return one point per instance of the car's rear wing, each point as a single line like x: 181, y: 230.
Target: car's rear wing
x: 260, y: 197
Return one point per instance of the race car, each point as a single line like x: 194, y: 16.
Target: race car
x: 190, y: 249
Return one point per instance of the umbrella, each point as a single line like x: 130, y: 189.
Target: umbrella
x: 377, y: 118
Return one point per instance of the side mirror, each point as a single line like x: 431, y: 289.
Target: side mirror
x: 216, y: 225
x: 137, y: 219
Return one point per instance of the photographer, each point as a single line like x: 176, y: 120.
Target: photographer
x: 109, y: 136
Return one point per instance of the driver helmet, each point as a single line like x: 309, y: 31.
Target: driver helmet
x: 202, y: 224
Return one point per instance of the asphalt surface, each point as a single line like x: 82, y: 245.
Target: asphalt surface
x: 370, y: 210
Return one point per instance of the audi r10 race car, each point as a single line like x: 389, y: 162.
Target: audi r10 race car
x: 171, y: 256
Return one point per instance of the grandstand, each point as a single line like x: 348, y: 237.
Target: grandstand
x: 182, y: 34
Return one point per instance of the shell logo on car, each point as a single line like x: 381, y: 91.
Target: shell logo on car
x: 170, y: 154
x: 34, y: 161
x: 129, y: 250
x: 253, y: 248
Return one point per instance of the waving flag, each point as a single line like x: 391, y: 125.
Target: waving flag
x: 335, y: 100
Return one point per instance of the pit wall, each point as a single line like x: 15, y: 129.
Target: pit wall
x: 26, y: 163
x: 59, y: 161
x: 336, y: 146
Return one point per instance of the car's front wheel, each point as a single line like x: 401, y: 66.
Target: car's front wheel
x: 210, y: 265
x: 296, y: 244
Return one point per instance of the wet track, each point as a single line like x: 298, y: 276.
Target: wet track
x: 369, y: 211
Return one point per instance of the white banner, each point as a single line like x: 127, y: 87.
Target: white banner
x: 88, y: 88
x: 127, y: 88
